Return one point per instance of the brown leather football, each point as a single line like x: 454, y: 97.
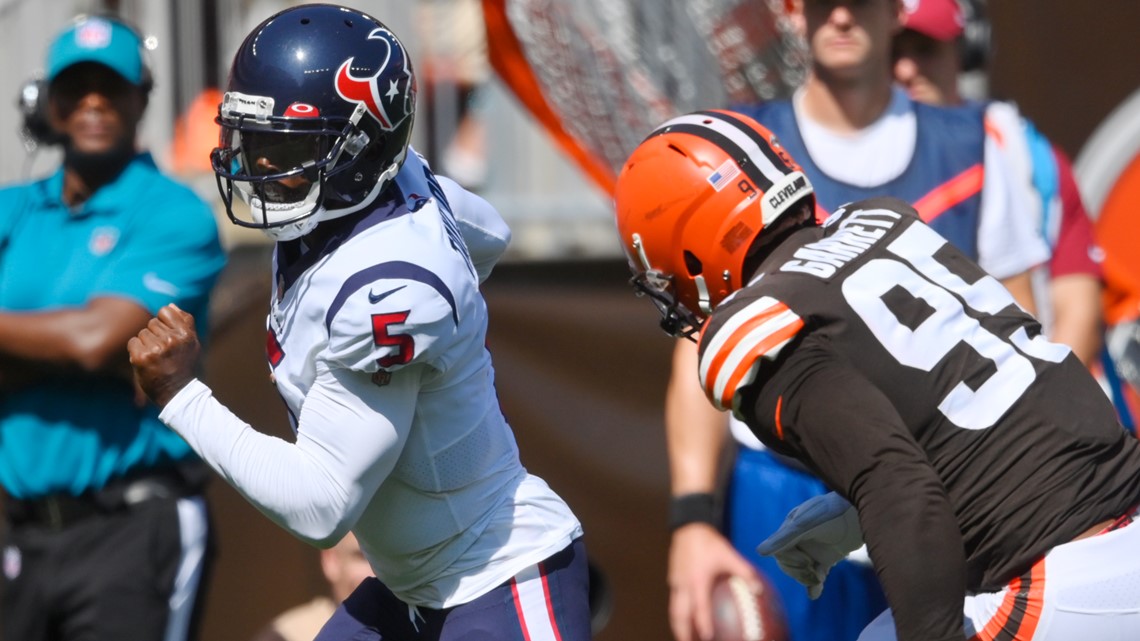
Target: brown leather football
x: 740, y: 615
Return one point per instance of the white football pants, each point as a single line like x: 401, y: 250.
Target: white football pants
x: 1086, y: 590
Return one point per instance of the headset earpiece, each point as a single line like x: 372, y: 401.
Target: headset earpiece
x: 35, y: 129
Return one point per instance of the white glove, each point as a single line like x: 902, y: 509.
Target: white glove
x: 815, y: 535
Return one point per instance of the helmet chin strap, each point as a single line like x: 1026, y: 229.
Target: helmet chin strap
x: 287, y: 231
x: 292, y: 231
x: 381, y: 182
x: 703, y: 298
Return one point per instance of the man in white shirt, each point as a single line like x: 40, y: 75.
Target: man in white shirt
x: 1067, y: 288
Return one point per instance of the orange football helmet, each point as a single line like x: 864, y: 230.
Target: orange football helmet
x: 689, y: 203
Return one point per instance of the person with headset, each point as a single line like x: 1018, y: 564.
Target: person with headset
x: 107, y: 532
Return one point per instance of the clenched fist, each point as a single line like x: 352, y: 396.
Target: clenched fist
x: 164, y: 354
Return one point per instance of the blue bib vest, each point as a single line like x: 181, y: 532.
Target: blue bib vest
x: 943, y: 179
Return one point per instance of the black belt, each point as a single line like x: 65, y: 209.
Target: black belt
x: 59, y: 511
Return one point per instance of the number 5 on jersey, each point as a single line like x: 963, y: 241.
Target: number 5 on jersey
x: 403, y: 346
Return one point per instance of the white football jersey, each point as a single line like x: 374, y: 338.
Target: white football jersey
x: 376, y: 340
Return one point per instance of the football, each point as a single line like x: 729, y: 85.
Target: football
x: 740, y: 615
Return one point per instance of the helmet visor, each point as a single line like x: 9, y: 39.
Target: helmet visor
x: 283, y: 164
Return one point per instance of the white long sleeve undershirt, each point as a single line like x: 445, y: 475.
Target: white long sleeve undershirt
x: 318, y: 486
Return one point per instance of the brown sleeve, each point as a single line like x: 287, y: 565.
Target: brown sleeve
x: 827, y: 413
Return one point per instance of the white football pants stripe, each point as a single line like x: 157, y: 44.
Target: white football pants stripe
x: 532, y: 601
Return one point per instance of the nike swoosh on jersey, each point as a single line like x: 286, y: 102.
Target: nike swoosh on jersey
x: 728, y: 362
x: 156, y: 284
x: 376, y: 298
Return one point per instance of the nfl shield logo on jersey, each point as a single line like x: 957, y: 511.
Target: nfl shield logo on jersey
x: 103, y: 240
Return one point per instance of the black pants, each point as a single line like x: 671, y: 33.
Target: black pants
x: 109, y: 576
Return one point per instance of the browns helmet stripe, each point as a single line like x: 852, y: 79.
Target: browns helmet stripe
x: 746, y: 137
x: 746, y: 143
x: 734, y: 151
x: 764, y: 143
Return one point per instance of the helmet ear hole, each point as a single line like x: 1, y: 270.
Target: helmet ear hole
x: 693, y: 264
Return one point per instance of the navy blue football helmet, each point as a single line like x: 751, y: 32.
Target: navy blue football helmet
x: 316, y: 119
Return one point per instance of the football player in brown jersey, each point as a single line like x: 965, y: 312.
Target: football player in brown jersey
x: 981, y: 464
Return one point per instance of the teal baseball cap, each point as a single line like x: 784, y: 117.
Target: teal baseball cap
x: 96, y: 39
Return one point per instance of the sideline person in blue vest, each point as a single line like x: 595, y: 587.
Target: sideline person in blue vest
x: 856, y: 135
x: 1067, y: 289
x: 107, y: 531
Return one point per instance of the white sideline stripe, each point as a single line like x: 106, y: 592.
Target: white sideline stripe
x: 193, y: 530
x: 532, y: 603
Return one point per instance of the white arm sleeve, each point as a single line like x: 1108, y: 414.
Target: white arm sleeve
x: 484, y: 230
x: 350, y: 434
x: 1008, y: 241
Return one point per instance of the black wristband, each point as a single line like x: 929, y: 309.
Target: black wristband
x: 699, y: 507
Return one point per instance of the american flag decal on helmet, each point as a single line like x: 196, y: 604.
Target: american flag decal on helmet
x: 724, y: 174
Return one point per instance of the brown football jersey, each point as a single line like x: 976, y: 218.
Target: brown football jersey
x: 912, y: 383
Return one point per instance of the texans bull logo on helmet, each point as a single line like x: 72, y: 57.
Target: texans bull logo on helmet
x: 389, y: 105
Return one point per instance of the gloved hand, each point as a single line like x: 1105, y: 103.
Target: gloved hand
x: 815, y: 535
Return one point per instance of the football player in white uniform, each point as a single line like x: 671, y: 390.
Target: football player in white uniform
x: 376, y: 342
